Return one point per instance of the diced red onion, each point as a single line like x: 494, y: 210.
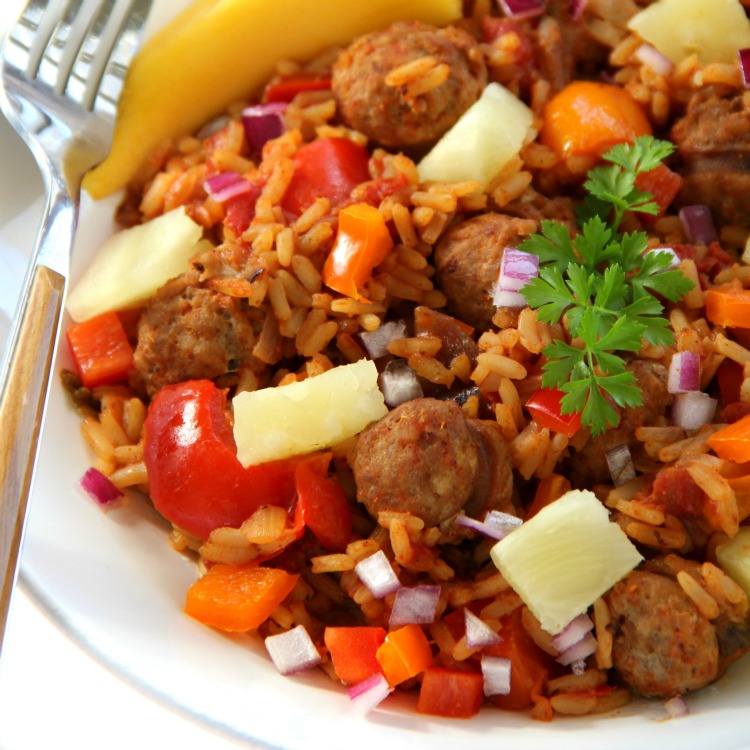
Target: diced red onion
x: 698, y: 223
x: 496, y: 525
x: 415, y: 606
x: 576, y: 8
x: 693, y: 410
x: 517, y: 268
x: 684, y: 373
x: 654, y: 59
x: 744, y: 55
x: 573, y: 632
x: 620, y: 464
x: 262, y: 123
x: 496, y: 671
x: 522, y: 8
x: 376, y: 342
x: 225, y: 185
x: 478, y: 633
x: 399, y: 383
x: 100, y: 489
x: 377, y: 574
x: 676, y: 707
x: 675, y: 258
x: 369, y: 693
x: 502, y: 298
x: 292, y: 651
x: 503, y: 521
x: 578, y: 651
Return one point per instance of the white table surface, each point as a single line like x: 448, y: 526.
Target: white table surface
x: 52, y: 691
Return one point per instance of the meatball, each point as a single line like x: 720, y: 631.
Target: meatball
x: 426, y: 458
x: 467, y: 260
x: 189, y: 332
x: 713, y: 140
x: 662, y: 645
x: 393, y: 115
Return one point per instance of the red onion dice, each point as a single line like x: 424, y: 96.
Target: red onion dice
x: 369, y: 693
x: 693, y: 410
x: 576, y: 8
x: 496, y: 671
x: 99, y: 488
x: 502, y: 298
x: 517, y: 268
x: 699, y: 224
x: 578, y: 651
x: 522, y: 8
x: 376, y: 342
x: 572, y: 633
x: 417, y: 605
x: 676, y: 707
x: 478, y: 633
x: 262, y: 123
x: 654, y: 59
x: 225, y: 185
x: 399, y: 383
x: 496, y: 525
x: 744, y: 56
x: 620, y: 464
x: 684, y: 373
x: 292, y: 651
x: 377, y: 574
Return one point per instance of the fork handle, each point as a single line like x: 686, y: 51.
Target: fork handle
x: 21, y: 408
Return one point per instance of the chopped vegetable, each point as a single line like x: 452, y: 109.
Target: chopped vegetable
x: 496, y: 672
x: 496, y: 525
x: 101, y: 350
x: 519, y: 9
x: 485, y: 138
x: 353, y: 650
x: 579, y: 651
x: 133, y: 263
x: 399, y: 383
x: 588, y: 118
x: 620, y: 464
x: 377, y: 574
x: 711, y: 29
x: 516, y: 269
x: 196, y: 481
x: 370, y: 693
x: 676, y: 707
x: 545, y: 408
x: 307, y: 415
x: 699, y: 224
x: 284, y: 90
x: 405, y: 653
x: 327, y: 168
x: 732, y: 443
x: 236, y: 597
x: 684, y: 372
x: 262, y: 123
x: 292, y: 651
x: 733, y: 556
x: 478, y: 633
x: 99, y: 488
x: 450, y: 692
x: 322, y: 505
x: 573, y: 632
x: 376, y: 342
x: 728, y: 306
x: 243, y: 40
x: 362, y: 243
x: 662, y: 184
x: 650, y: 56
x: 565, y: 558
x: 744, y: 57
x: 548, y: 490
x: 416, y: 604
x: 607, y: 294
x: 227, y: 185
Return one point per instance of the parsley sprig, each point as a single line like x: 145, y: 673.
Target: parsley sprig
x: 604, y: 286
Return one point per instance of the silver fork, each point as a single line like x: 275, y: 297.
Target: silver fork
x: 63, y: 65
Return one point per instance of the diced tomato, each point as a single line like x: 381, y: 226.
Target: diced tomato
x: 321, y: 504
x: 353, y: 651
x: 287, y: 88
x: 530, y: 666
x: 196, y: 481
x: 101, y: 350
x: 240, y: 210
x: 545, y: 408
x: 662, y: 183
x: 450, y: 692
x: 327, y: 168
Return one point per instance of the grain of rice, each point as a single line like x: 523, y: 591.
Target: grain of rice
x: 133, y: 417
x: 444, y: 203
x: 538, y: 156
x: 431, y: 369
x: 443, y: 637
x: 410, y: 71
x: 431, y: 231
x: 501, y: 365
x: 307, y: 274
x: 97, y: 438
x: 461, y: 594
x: 268, y: 347
x: 723, y: 587
x: 694, y: 299
x: 658, y: 537
x: 410, y: 258
x: 283, y: 616
x: 152, y: 202
x: 573, y: 704
x: 588, y: 680
x: 285, y: 246
x: 641, y: 512
x: 129, y: 476
x: 296, y: 294
x: 334, y: 563
x: 460, y: 366
x: 602, y: 621
x: 387, y: 517
x: 362, y: 548
x: 400, y: 289
x: 406, y: 347
x: 278, y: 299
x: 511, y: 188
x: 128, y: 453
x: 707, y: 605
x: 315, y: 238
x: 731, y: 349
x: 688, y: 446
x: 557, y: 446
x: 504, y: 417
x: 314, y: 334
x: 605, y: 32
x: 724, y: 501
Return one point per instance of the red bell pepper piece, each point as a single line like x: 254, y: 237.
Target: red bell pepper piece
x: 327, y: 168
x: 101, y: 350
x: 450, y: 692
x: 353, y: 651
x: 545, y: 408
x: 287, y: 88
x: 240, y: 210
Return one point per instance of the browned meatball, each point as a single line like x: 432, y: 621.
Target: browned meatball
x: 493, y: 484
x: 390, y: 114
x: 188, y: 332
x: 467, y: 260
x: 662, y: 645
x: 713, y: 140
x: 652, y: 378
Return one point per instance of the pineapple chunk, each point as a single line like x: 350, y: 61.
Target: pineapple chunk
x: 734, y: 558
x: 485, y: 138
x: 301, y: 417
x: 565, y: 558
x: 221, y: 51
x: 133, y: 263
x: 712, y: 29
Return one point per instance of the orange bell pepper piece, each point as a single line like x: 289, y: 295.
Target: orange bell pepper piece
x: 728, y: 306
x: 238, y: 597
x: 588, y: 118
x: 405, y: 653
x: 101, y: 350
x: 548, y: 490
x: 732, y: 443
x: 363, y: 242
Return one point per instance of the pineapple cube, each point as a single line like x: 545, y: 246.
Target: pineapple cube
x: 734, y: 558
x: 565, y: 558
x: 308, y: 415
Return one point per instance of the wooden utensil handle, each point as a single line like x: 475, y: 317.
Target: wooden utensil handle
x: 22, y: 401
